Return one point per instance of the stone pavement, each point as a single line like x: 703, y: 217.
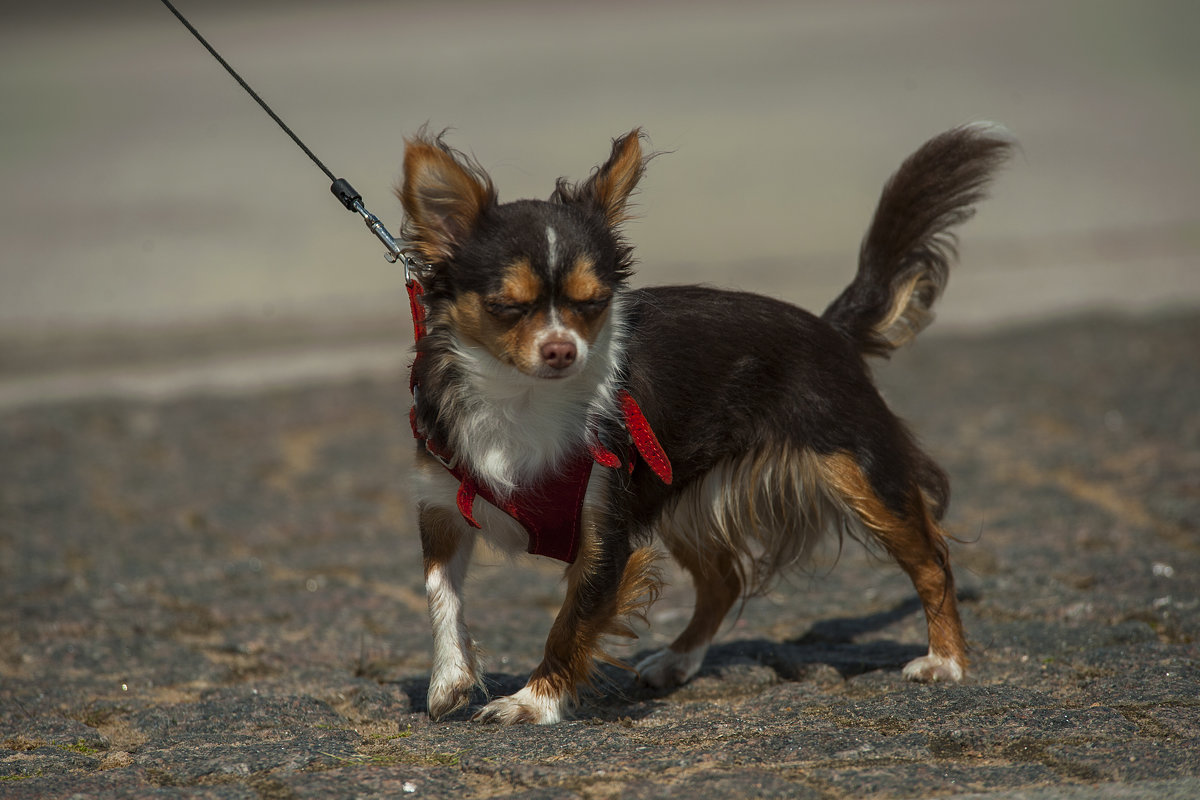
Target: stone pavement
x: 220, y: 597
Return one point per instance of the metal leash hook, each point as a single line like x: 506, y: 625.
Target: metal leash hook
x: 352, y: 200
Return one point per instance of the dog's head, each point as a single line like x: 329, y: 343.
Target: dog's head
x: 531, y: 281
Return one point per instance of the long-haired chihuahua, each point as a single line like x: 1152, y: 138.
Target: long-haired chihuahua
x: 560, y: 412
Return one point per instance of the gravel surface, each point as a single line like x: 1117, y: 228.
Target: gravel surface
x: 221, y: 597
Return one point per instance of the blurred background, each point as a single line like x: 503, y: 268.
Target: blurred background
x: 160, y: 233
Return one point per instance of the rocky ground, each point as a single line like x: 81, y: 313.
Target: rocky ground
x: 221, y: 597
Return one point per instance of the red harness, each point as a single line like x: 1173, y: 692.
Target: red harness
x: 551, y: 510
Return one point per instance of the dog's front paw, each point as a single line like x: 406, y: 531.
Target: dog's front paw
x: 450, y: 690
x: 526, y: 706
x: 934, y: 669
x: 668, y: 668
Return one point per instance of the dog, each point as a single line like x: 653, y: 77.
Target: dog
x: 559, y: 411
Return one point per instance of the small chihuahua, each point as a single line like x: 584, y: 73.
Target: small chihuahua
x: 559, y: 411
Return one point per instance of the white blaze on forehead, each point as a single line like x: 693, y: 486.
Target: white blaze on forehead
x: 551, y: 248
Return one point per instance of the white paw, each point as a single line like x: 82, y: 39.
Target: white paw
x: 934, y: 669
x: 667, y: 668
x: 450, y: 689
x: 526, y: 706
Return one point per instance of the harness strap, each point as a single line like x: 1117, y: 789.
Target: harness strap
x: 465, y: 499
x: 550, y: 512
x: 417, y: 307
x: 644, y: 439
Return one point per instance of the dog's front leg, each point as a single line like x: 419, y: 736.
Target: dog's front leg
x: 603, y: 585
x: 447, y: 544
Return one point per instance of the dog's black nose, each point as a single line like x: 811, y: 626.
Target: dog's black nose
x: 559, y: 354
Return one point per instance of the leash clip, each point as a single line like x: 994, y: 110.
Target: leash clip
x: 394, y: 250
x: 415, y: 269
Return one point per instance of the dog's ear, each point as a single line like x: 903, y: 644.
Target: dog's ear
x: 609, y: 187
x: 443, y: 193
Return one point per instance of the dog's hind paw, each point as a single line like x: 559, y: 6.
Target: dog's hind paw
x: 934, y: 669
x: 525, y: 706
x: 668, y: 668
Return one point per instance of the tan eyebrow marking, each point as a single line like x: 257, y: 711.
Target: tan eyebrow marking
x: 521, y: 283
x: 582, y: 284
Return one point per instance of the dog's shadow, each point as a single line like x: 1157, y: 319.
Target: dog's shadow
x: 828, y: 643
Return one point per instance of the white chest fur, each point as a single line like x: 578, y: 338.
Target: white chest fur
x: 509, y: 429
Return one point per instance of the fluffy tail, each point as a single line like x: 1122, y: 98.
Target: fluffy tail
x: 906, y: 255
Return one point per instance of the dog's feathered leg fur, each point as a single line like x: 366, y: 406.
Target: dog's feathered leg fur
x: 605, y: 585
x: 915, y: 541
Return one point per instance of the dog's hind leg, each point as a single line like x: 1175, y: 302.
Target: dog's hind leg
x: 447, y: 544
x: 917, y: 544
x: 718, y: 586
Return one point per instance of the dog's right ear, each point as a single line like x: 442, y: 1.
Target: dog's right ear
x: 443, y: 194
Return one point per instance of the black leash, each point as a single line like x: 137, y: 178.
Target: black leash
x: 341, y: 188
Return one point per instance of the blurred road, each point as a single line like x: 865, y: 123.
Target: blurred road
x: 150, y: 205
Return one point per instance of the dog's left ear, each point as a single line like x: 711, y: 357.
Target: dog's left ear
x: 609, y: 187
